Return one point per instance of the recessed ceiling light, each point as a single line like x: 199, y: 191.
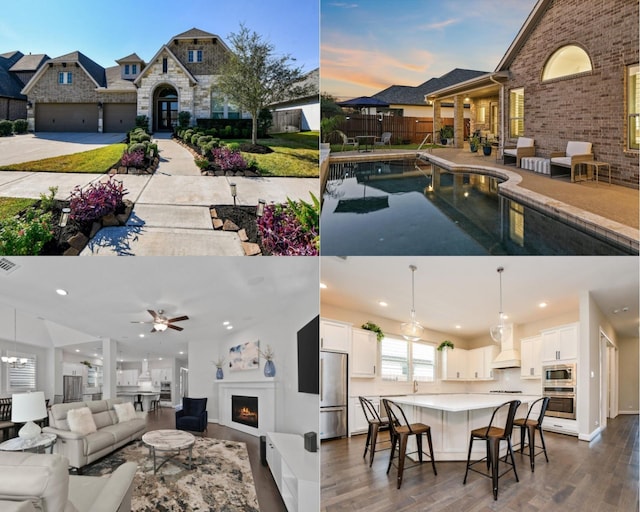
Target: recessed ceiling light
x: 458, y: 327
x: 225, y: 323
x: 140, y: 335
x: 323, y: 286
x: 383, y: 304
x: 77, y: 350
x: 181, y: 353
x: 542, y: 305
x: 159, y: 359
x: 229, y: 327
x: 62, y: 292
x: 506, y: 317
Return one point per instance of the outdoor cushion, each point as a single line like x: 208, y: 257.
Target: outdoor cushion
x: 562, y: 160
x: 524, y: 142
x: 578, y: 148
x: 81, y: 421
x: 511, y: 151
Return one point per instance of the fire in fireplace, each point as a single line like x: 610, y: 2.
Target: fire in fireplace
x: 244, y: 409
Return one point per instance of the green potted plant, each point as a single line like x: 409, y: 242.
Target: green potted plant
x: 370, y: 326
x: 474, y: 142
x: 86, y: 363
x: 486, y: 147
x: 446, y: 134
x: 445, y: 344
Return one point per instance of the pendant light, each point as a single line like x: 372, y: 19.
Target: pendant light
x: 13, y: 361
x: 500, y: 332
x: 412, y: 331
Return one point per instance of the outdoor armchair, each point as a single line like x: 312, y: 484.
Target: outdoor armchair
x: 347, y: 141
x: 575, y: 154
x: 524, y: 147
x: 383, y: 140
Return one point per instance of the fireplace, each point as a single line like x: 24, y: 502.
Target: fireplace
x: 244, y: 409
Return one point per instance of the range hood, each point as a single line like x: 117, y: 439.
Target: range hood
x: 145, y: 376
x: 509, y: 357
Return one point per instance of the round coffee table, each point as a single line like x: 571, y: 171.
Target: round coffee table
x: 171, y: 442
x: 38, y: 444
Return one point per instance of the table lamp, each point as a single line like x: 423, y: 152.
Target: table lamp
x: 26, y: 407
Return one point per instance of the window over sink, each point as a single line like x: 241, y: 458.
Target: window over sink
x: 402, y: 361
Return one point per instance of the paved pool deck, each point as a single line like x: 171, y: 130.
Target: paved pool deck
x: 599, y: 206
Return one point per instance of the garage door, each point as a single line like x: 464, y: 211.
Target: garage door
x: 66, y: 117
x: 119, y: 117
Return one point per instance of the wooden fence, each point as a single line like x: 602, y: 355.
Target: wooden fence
x: 404, y: 130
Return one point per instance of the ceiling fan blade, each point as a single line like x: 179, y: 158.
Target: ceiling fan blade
x: 178, y: 319
x: 139, y: 322
x: 152, y: 313
x: 175, y: 327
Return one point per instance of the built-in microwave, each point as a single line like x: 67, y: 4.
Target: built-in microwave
x: 559, y: 375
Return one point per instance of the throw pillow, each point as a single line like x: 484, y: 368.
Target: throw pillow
x: 81, y: 421
x: 125, y: 412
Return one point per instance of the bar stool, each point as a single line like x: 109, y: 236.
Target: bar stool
x: 137, y: 402
x: 376, y: 424
x: 493, y: 435
x: 530, y: 426
x: 400, y: 432
x: 154, y: 404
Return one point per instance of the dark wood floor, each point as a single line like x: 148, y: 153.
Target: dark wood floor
x: 580, y: 476
x: 268, y: 496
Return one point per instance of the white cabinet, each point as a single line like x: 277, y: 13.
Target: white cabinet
x: 454, y: 364
x: 560, y: 343
x: 77, y: 370
x: 489, y: 353
x: 562, y: 425
x: 159, y: 375
x: 531, y: 357
x: 295, y: 471
x: 358, y: 423
x: 127, y: 378
x: 335, y: 335
x: 364, y: 353
x: 479, y: 362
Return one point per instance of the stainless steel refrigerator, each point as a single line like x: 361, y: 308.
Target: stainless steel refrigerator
x: 72, y: 388
x: 333, y: 395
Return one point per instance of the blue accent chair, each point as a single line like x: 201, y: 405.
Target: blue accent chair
x: 193, y: 415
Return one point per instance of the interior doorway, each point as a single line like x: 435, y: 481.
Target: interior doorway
x: 184, y: 382
x: 608, y: 379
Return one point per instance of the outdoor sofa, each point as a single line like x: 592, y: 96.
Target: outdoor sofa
x: 576, y: 154
x: 524, y: 147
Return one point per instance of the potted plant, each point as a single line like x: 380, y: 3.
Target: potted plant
x: 446, y: 135
x: 474, y: 142
x: 86, y: 363
x: 486, y: 147
x: 445, y: 344
x: 370, y: 326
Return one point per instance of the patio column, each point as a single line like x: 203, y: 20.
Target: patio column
x: 436, y: 120
x: 458, y: 121
x: 473, y: 112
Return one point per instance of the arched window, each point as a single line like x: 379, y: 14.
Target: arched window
x: 566, y: 61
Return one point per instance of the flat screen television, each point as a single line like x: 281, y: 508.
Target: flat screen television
x: 309, y: 357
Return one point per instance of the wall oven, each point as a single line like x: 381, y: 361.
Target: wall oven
x: 559, y: 375
x: 562, y: 402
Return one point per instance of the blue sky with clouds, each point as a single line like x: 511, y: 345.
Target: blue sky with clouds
x: 368, y: 45
x: 111, y: 29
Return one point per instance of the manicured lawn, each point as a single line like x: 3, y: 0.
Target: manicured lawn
x: 94, y: 161
x: 10, y: 206
x: 294, y: 155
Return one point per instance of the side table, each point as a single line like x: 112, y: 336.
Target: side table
x: 596, y: 164
x: 38, y: 444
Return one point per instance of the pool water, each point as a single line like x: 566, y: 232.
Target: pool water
x: 408, y: 207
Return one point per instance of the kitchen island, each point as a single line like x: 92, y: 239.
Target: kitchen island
x: 147, y: 397
x: 452, y: 418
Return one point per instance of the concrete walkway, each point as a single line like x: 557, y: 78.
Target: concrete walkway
x: 171, y: 215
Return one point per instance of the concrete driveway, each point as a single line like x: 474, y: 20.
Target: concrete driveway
x: 36, y: 146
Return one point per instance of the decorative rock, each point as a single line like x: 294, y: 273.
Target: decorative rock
x: 229, y: 173
x: 229, y: 225
x: 217, y: 223
x: 78, y: 241
x: 122, y: 170
x: 251, y: 249
x: 214, y: 213
x: 113, y: 171
x: 251, y: 174
x: 95, y: 227
x: 110, y: 220
x: 71, y: 251
x: 122, y: 218
x: 243, y: 235
x: 218, y: 173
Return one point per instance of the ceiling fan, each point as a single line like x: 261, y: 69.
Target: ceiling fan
x: 161, y: 323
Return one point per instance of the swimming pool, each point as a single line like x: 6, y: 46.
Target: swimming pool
x: 407, y: 207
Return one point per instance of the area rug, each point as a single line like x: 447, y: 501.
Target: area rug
x: 220, y: 481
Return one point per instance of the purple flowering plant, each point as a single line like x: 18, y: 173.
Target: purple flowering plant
x: 96, y: 200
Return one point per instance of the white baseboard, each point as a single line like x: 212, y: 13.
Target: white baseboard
x: 591, y: 436
x: 628, y: 412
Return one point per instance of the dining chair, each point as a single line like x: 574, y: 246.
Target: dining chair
x: 401, y: 429
x: 6, y: 425
x: 138, y: 401
x: 376, y: 424
x: 529, y: 426
x: 493, y: 436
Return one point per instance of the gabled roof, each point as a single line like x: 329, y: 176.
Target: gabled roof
x: 94, y: 70
x: 195, y: 33
x: 165, y: 48
x: 115, y: 82
x: 10, y: 86
x: 30, y: 62
x: 130, y: 58
x: 525, y: 31
x: 408, y: 95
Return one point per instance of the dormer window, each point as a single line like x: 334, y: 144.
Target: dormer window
x: 126, y: 69
x: 195, y: 55
x: 134, y: 69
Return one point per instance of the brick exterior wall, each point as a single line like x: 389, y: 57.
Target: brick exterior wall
x: 590, y: 107
x: 48, y: 90
x: 12, y: 109
x: 213, y: 55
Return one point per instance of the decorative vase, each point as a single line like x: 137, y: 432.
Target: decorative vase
x: 219, y: 373
x: 269, y: 369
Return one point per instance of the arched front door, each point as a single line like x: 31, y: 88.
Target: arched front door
x: 166, y: 108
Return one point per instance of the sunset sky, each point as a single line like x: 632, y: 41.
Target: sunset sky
x: 368, y: 45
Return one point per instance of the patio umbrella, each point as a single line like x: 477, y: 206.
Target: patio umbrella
x: 364, y: 102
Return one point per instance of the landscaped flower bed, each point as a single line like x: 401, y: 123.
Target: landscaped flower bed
x: 140, y: 157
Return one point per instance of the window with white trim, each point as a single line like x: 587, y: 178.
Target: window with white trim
x: 126, y: 69
x: 194, y: 56
x: 633, y: 106
x: 516, y: 112
x: 402, y: 361
x: 22, y: 377
x: 134, y: 69
x: 65, y: 77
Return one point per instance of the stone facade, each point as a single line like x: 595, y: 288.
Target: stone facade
x: 589, y: 106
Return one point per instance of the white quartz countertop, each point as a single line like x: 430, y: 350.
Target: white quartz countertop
x: 462, y: 401
x: 133, y: 393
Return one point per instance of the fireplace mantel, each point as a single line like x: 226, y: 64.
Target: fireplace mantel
x: 264, y: 390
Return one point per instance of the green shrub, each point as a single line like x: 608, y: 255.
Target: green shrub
x: 202, y: 163
x: 142, y: 122
x: 236, y: 133
x: 211, y: 131
x: 6, y: 128
x: 48, y: 202
x: 140, y: 136
x: 136, y: 146
x: 204, y: 139
x: 194, y: 138
x: 183, y: 118
x: 26, y: 236
x: 186, y: 136
x: 152, y: 150
x: 246, y: 133
x: 227, y: 131
x: 20, y: 126
x: 234, y: 146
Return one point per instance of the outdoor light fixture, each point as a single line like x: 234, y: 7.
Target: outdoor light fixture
x: 64, y: 217
x: 26, y: 407
x: 29, y: 104
x: 501, y: 331
x: 234, y: 192
x: 260, y: 208
x: 13, y: 361
x: 99, y: 104
x: 412, y: 331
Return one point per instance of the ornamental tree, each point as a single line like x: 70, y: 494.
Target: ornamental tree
x: 252, y: 77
